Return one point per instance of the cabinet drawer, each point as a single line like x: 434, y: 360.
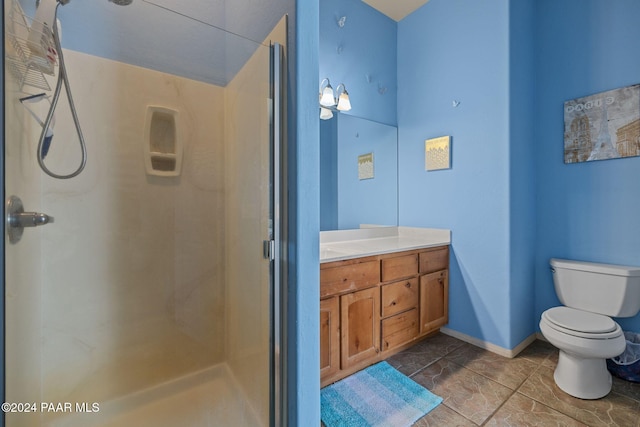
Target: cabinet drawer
x: 434, y: 260
x: 349, y: 277
x: 399, y: 296
x: 399, y: 329
x: 399, y: 267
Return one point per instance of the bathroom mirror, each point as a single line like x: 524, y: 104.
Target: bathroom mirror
x: 358, y: 173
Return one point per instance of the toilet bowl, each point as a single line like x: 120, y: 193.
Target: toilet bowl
x: 584, y: 340
x: 582, y: 329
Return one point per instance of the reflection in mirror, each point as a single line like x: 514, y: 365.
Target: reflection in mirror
x: 354, y: 192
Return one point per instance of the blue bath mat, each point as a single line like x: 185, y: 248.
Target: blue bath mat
x: 376, y: 396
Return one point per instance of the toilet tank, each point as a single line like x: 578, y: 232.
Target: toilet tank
x: 612, y: 290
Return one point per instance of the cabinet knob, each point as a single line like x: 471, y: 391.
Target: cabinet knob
x: 408, y: 285
x: 393, y: 303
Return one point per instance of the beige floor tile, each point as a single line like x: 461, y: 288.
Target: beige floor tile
x: 508, y: 372
x: 424, y: 353
x: 441, y: 343
x: 410, y: 362
x: 552, y: 360
x: 612, y: 410
x: 471, y: 395
x: 626, y: 388
x: 538, y: 351
x: 521, y: 411
x: 443, y: 416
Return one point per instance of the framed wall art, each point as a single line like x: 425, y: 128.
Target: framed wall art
x: 602, y: 126
x: 365, y: 166
x: 437, y: 153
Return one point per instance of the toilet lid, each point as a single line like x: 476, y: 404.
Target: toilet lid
x: 580, y: 321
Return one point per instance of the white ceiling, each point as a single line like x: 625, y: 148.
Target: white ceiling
x: 396, y: 9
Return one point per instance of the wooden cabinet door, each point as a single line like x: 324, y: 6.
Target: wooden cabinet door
x: 360, y: 326
x: 329, y: 336
x: 434, y: 301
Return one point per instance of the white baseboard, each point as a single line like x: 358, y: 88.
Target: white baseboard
x: 510, y: 353
x: 541, y: 337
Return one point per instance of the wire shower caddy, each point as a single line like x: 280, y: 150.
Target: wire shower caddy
x: 30, y: 52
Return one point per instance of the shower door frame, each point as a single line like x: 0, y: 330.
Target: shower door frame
x: 2, y: 227
x: 277, y: 395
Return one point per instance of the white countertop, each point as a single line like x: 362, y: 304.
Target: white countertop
x: 346, y: 244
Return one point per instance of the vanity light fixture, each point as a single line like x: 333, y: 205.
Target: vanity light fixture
x: 325, y: 113
x: 331, y: 101
x: 326, y: 94
x: 343, y: 98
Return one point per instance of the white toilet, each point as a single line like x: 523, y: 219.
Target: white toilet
x: 582, y: 330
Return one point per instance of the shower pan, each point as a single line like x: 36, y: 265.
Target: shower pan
x: 154, y: 298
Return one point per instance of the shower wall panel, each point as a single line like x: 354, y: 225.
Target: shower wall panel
x: 22, y: 275
x: 247, y: 215
x: 133, y: 268
x: 247, y: 184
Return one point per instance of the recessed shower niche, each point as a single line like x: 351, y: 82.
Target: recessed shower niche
x: 162, y: 142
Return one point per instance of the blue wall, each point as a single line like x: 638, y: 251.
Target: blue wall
x: 303, y: 258
x: 459, y: 50
x: 586, y: 211
x: 362, y: 55
x: 522, y: 146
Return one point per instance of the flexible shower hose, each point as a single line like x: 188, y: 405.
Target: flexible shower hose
x: 62, y: 77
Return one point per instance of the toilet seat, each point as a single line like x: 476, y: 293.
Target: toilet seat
x: 581, y: 324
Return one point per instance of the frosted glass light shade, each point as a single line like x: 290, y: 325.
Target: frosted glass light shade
x: 327, y: 99
x: 325, y: 114
x: 343, y: 102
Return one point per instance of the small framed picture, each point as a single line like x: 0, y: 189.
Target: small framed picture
x: 365, y: 166
x: 437, y: 153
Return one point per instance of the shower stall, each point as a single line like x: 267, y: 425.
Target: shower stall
x: 151, y: 295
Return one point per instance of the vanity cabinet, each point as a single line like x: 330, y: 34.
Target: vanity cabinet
x: 373, y: 307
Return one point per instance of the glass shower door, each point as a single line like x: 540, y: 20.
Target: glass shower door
x: 148, y: 300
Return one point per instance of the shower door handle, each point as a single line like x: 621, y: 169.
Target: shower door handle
x: 28, y: 219
x: 18, y: 219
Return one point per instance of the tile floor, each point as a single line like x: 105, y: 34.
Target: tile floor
x: 481, y: 388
